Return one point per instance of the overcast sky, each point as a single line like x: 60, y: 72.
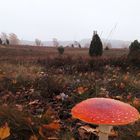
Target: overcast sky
x: 70, y: 19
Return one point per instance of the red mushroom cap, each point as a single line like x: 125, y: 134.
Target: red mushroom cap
x: 105, y: 111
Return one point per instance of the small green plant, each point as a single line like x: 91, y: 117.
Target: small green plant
x: 61, y: 50
x: 96, y: 47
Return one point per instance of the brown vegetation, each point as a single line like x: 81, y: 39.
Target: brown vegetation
x: 38, y: 88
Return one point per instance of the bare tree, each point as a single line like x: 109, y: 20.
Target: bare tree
x: 4, y: 37
x: 13, y: 39
x: 77, y: 44
x: 38, y: 42
x: 0, y: 41
x: 55, y: 42
x: 7, y: 42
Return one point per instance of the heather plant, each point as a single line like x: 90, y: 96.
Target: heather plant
x: 96, y: 47
x: 61, y: 50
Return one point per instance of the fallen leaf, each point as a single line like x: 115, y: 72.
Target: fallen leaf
x: 29, y: 121
x: 85, y: 131
x: 53, y: 138
x: 81, y: 90
x: 96, y: 131
x: 126, y: 78
x: 41, y: 132
x: 138, y: 133
x: 14, y: 81
x: 54, y: 125
x: 49, y: 114
x: 122, y: 86
x: 89, y: 129
x: 19, y: 107
x: 4, y: 131
x: 33, y: 138
x: 113, y: 133
x: 136, y: 102
x: 34, y: 102
x: 119, y: 97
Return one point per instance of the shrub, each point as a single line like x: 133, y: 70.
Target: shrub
x: 60, y: 50
x: 134, y: 46
x: 107, y: 48
x: 96, y: 47
x: 134, y: 52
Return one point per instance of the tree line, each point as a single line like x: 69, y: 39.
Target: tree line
x: 9, y: 39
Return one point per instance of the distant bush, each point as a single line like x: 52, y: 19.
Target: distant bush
x: 96, y: 47
x: 61, y: 50
x: 107, y: 48
x: 135, y: 46
x: 134, y: 52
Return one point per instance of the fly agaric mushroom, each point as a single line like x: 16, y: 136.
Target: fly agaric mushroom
x: 105, y: 113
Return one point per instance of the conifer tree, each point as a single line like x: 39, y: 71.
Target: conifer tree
x: 96, y: 47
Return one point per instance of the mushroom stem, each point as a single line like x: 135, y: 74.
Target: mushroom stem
x: 104, y: 131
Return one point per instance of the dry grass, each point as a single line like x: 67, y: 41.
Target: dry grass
x: 19, y: 70
x: 62, y: 74
x: 49, y: 51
